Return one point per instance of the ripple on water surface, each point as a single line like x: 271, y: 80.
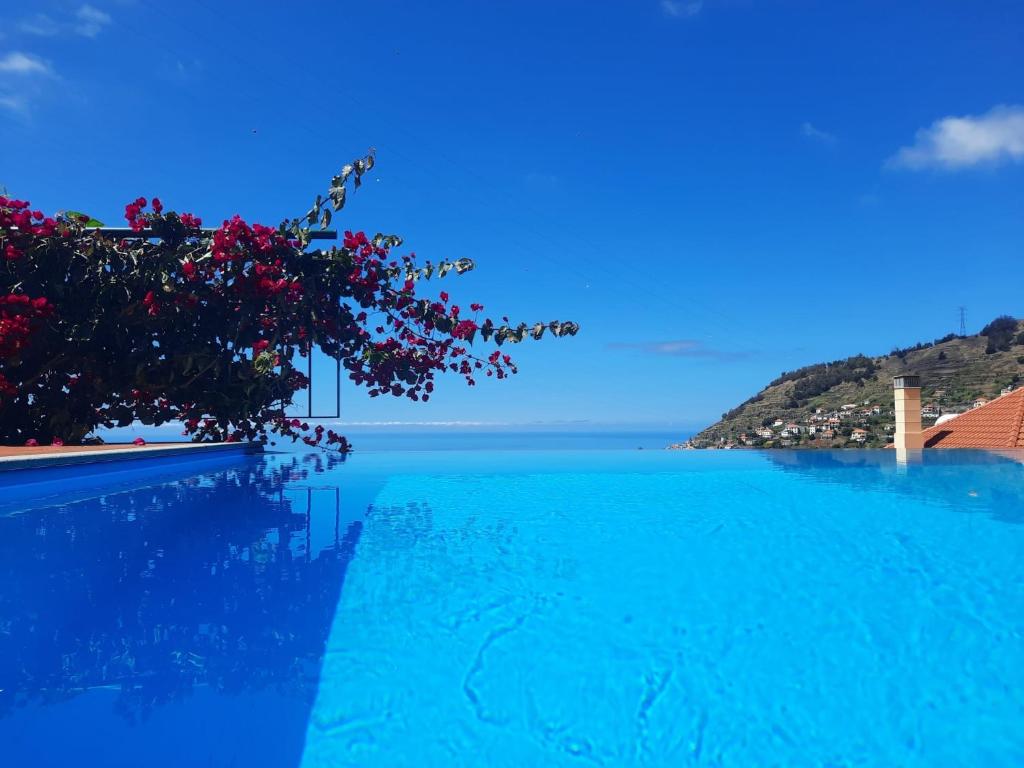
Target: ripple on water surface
x: 762, y: 611
x: 516, y: 609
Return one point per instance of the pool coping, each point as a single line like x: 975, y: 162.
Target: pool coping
x: 120, y: 453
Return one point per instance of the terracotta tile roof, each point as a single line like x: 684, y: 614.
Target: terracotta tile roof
x: 997, y: 424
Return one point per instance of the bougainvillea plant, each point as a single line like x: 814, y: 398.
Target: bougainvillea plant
x: 209, y: 327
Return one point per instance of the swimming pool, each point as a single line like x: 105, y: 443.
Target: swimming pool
x: 617, y: 608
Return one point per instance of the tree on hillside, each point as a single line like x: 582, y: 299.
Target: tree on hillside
x: 210, y: 327
x: 1000, y: 334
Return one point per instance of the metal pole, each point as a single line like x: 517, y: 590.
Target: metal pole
x: 309, y: 524
x: 337, y: 389
x: 320, y: 234
x: 337, y: 517
x: 309, y: 389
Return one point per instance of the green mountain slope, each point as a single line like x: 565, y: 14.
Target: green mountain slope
x: 954, y: 371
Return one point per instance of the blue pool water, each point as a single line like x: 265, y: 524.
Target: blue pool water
x: 615, y: 608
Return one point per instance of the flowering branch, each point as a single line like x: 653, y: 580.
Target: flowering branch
x: 208, y: 327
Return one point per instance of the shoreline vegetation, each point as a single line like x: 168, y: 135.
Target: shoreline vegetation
x: 848, y: 403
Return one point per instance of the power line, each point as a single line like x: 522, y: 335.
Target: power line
x: 963, y: 321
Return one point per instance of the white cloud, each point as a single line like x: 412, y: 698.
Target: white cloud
x: 40, y: 24
x: 19, y: 63
x: 87, y: 21
x: 954, y: 143
x: 13, y: 103
x: 181, y: 70
x: 421, y: 423
x: 681, y: 9
x: 91, y: 21
x: 680, y: 348
x: 811, y: 132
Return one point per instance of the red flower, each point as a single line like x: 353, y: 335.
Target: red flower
x: 259, y: 346
x: 57, y: 441
x: 139, y: 440
x: 464, y: 329
x: 444, y: 297
x: 158, y: 207
x: 31, y: 442
x: 188, y: 269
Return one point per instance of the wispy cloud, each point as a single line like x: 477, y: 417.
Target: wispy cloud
x: 13, y: 103
x: 90, y: 21
x: 424, y: 423
x: 955, y: 143
x: 40, y: 24
x: 87, y: 21
x: 810, y: 131
x: 18, y: 63
x: 181, y: 70
x: 21, y: 76
x: 680, y: 348
x: 681, y: 9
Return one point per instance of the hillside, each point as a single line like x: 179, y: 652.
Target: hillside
x: 955, y: 371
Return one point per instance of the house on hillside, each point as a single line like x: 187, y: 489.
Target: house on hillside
x: 859, y: 435
x: 1006, y: 390
x: 979, y: 402
x: 764, y: 433
x: 777, y: 423
x: 930, y: 411
x: 794, y: 429
x: 848, y: 406
x: 827, y: 434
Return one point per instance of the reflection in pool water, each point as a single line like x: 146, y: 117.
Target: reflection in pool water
x: 529, y: 608
x: 200, y: 591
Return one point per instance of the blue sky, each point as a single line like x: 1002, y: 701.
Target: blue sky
x: 716, y: 191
